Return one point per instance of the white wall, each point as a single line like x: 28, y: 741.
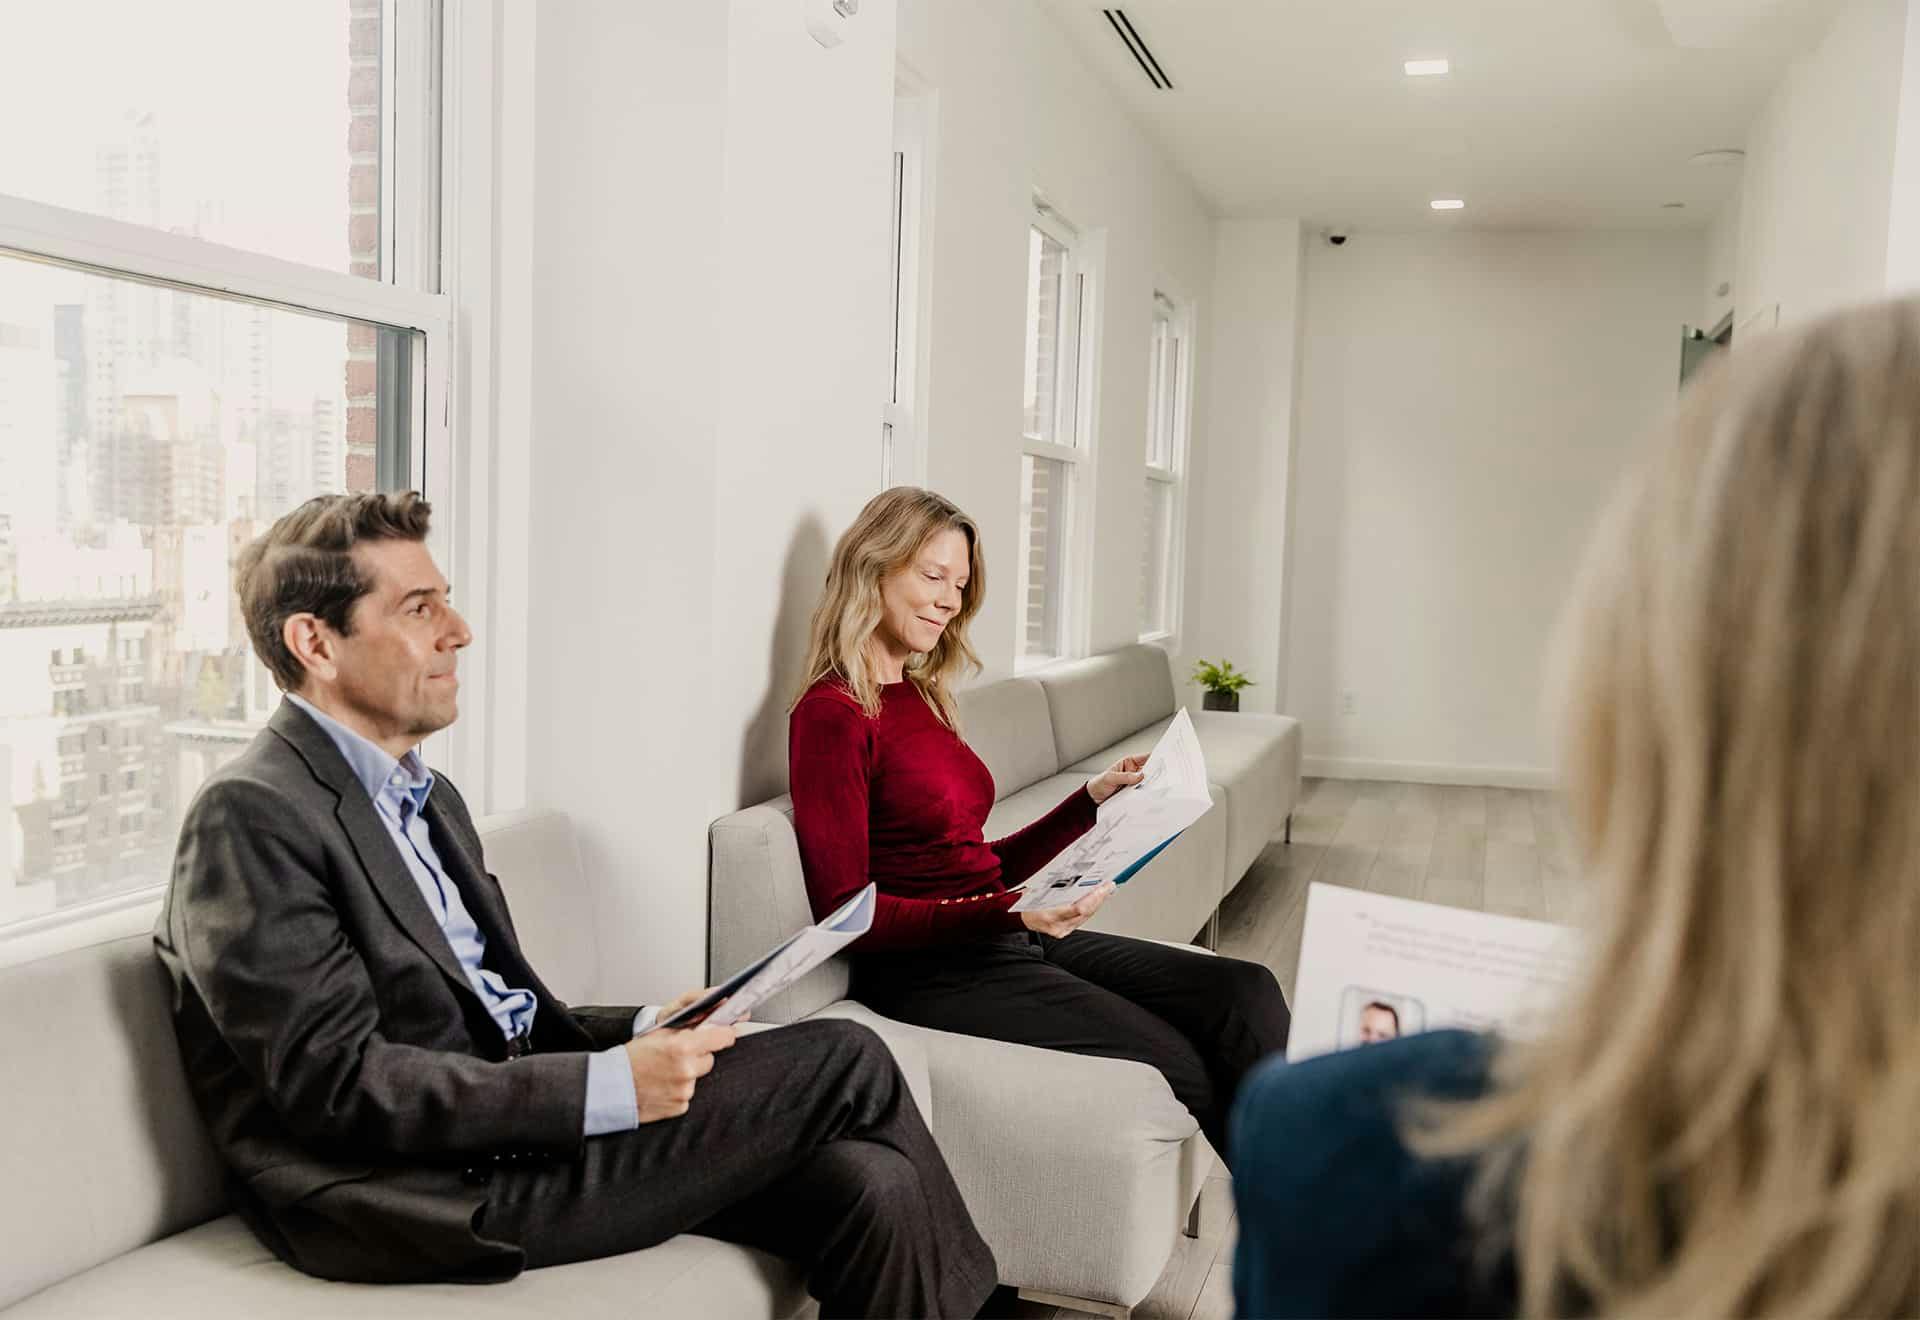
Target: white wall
x: 1722, y: 265
x: 709, y: 234
x: 1903, y: 222
x: 1466, y: 402
x: 1016, y: 110
x: 1818, y: 182
x: 1235, y: 587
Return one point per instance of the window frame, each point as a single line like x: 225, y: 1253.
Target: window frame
x: 408, y: 296
x: 1074, y: 416
x: 903, y: 455
x: 1177, y: 314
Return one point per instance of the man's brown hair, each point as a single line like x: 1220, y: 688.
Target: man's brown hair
x: 304, y: 564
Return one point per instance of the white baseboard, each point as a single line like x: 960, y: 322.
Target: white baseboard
x: 1418, y: 772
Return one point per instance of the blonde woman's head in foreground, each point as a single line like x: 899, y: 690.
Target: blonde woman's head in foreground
x: 1723, y: 1122
x: 905, y: 581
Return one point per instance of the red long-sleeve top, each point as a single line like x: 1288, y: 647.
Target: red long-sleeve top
x: 900, y: 800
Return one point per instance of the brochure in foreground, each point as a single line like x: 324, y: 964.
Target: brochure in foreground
x: 1373, y: 967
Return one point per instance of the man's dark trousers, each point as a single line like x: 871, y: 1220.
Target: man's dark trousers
x: 803, y: 1142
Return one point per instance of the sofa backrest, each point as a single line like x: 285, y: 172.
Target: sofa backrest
x: 103, y: 1148
x: 1008, y: 727
x: 757, y: 897
x: 1094, y: 703
x: 102, y: 1144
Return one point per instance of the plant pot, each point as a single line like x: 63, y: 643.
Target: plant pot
x: 1220, y: 701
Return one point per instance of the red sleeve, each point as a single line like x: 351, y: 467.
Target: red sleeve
x: 829, y: 758
x: 1027, y: 850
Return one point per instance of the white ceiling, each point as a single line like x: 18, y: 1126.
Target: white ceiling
x: 1558, y: 113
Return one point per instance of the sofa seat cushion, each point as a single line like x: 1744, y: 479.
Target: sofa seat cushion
x: 220, y: 1268
x: 1171, y: 897
x: 1254, y: 760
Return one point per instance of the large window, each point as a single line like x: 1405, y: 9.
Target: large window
x: 1161, y: 537
x: 218, y: 297
x: 1054, y: 448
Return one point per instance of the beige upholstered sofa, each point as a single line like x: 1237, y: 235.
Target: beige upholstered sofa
x: 1127, y: 1178
x: 114, y: 1202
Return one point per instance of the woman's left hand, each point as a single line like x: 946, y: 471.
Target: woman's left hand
x: 1124, y: 773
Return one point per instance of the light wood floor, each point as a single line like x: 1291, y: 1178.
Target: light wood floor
x: 1491, y: 849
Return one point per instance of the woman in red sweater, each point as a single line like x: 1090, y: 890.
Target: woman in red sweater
x: 886, y: 790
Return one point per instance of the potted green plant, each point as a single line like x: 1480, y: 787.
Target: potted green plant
x: 1222, y: 682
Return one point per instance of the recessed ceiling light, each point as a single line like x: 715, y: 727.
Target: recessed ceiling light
x: 1426, y: 68
x: 1447, y: 204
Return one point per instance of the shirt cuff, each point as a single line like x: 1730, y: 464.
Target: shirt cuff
x: 611, y: 1104
x: 645, y: 1018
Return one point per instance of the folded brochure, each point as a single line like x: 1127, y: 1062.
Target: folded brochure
x: 1132, y: 826
x: 773, y: 972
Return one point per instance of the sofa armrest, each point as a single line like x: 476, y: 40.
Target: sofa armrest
x: 1053, y: 1150
x: 907, y: 1045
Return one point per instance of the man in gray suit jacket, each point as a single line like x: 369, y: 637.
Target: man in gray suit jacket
x: 396, y: 1092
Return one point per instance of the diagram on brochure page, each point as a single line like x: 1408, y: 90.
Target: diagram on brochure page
x: 1132, y: 825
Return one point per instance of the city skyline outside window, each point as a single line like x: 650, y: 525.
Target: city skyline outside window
x: 148, y: 432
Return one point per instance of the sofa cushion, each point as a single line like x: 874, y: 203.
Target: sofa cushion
x: 1096, y: 702
x: 1254, y: 760
x: 221, y: 1268
x: 1008, y: 727
x: 103, y: 1147
x: 758, y: 897
x: 1171, y: 897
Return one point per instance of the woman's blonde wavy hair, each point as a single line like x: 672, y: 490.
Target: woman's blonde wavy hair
x: 1724, y: 1119
x: 886, y: 538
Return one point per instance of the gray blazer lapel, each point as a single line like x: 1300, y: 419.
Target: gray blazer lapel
x: 385, y: 870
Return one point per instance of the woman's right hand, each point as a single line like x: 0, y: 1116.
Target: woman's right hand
x: 1061, y: 922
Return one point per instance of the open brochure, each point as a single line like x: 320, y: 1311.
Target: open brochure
x: 768, y: 975
x: 1132, y: 826
x: 1373, y: 967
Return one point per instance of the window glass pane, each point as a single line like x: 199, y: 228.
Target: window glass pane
x: 1163, y: 391
x: 1156, y: 546
x: 1045, y: 501
x: 146, y: 434
x: 252, y: 124
x: 1046, y: 264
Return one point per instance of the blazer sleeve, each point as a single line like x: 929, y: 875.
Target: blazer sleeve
x: 253, y: 928
x: 608, y: 1026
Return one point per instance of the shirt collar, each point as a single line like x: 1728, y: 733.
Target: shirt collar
x: 371, y: 764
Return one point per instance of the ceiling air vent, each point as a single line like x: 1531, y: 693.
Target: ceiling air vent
x: 1123, y: 28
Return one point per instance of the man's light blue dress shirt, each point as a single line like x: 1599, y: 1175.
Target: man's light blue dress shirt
x: 399, y: 791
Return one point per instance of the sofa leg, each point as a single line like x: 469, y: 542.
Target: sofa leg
x: 1210, y: 933
x: 1193, y: 1219
x: 1075, y: 1303
x: 1289, y: 838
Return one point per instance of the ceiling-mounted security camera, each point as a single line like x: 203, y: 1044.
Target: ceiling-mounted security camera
x: 1336, y: 237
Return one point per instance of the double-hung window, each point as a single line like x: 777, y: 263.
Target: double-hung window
x: 1161, y: 534
x: 219, y: 296
x: 1054, y: 484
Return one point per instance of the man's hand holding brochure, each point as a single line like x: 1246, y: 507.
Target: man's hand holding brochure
x: 1132, y: 826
